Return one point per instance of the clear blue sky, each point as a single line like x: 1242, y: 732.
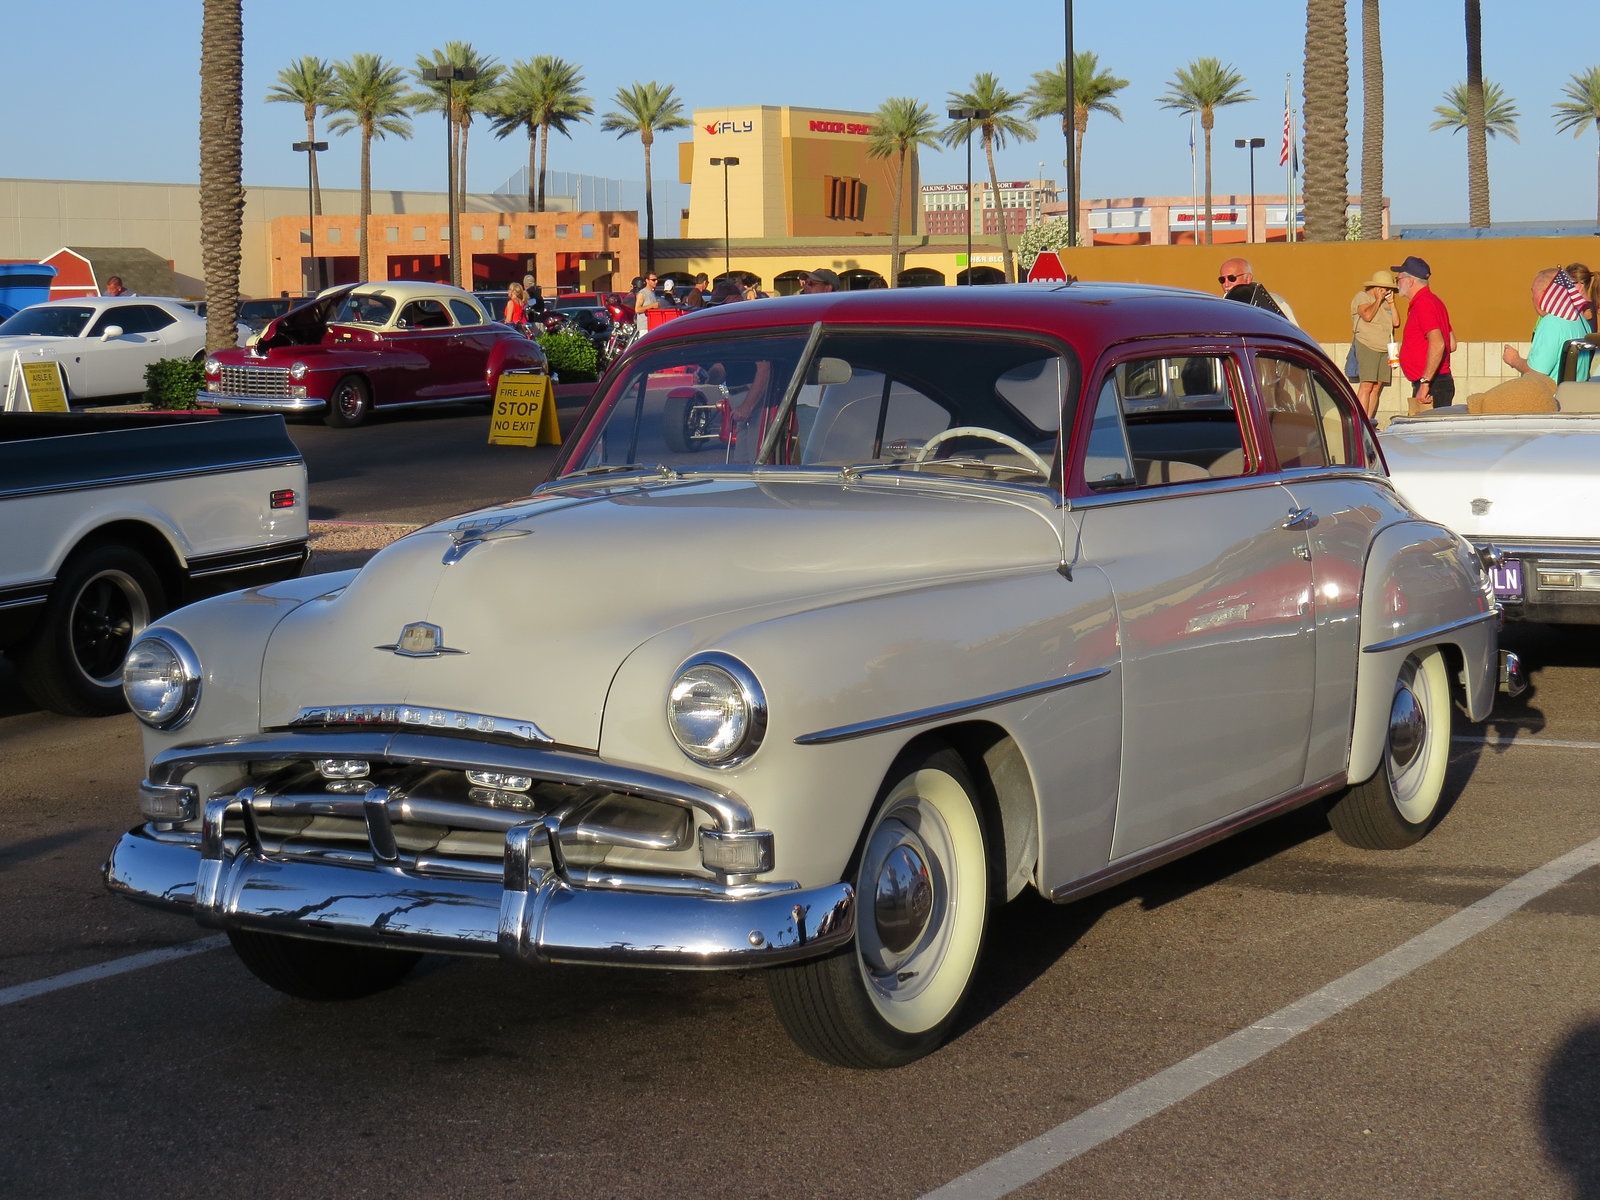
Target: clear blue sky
x: 106, y: 89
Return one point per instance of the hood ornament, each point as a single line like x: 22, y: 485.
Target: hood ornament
x: 1480, y: 506
x: 468, y: 535
x: 420, y: 640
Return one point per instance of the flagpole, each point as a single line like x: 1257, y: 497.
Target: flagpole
x: 1286, y: 160
x: 1194, y: 184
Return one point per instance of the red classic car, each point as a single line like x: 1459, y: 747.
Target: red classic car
x: 370, y: 345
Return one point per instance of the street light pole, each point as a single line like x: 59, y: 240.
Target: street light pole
x: 1068, y: 67
x: 969, y: 115
x: 725, y: 163
x: 447, y: 75
x: 1253, y: 144
x: 310, y: 149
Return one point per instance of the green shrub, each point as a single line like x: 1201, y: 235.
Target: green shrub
x: 573, y: 358
x: 173, y: 383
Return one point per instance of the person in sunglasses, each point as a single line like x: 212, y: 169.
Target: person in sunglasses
x: 1239, y: 283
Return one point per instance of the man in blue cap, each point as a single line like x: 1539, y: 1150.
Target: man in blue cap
x: 1427, y: 340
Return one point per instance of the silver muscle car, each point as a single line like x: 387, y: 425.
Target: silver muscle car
x: 843, y: 620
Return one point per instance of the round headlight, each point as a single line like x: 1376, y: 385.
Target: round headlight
x: 716, y: 710
x: 297, y: 370
x: 161, y: 680
x: 213, y: 365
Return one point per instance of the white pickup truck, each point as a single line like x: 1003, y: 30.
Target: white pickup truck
x: 107, y: 520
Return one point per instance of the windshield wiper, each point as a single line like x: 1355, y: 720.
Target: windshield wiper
x: 660, y: 469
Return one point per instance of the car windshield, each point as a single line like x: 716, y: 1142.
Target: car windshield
x: 47, y: 322
x: 945, y: 400
x: 360, y: 308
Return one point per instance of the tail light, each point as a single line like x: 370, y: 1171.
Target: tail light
x: 282, y: 499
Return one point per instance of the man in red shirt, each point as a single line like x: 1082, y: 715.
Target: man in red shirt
x: 1427, y: 341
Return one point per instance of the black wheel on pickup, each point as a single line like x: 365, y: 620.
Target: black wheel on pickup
x: 350, y: 404
x: 311, y: 970
x: 102, y: 599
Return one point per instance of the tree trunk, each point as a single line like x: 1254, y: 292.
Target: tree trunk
x: 649, y: 211
x: 544, y: 162
x: 366, y: 200
x: 316, y: 185
x: 894, y: 231
x: 1077, y: 160
x: 1326, y: 108
x: 999, y: 211
x: 535, y: 202
x: 221, y: 165
x: 1371, y: 123
x: 461, y: 177
x: 1206, y: 121
x: 1477, y: 133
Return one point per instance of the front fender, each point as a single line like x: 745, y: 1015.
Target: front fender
x: 1424, y: 586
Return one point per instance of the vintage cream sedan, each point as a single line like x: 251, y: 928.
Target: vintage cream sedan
x: 843, y: 620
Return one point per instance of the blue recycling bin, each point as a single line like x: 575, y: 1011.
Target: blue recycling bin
x: 22, y: 284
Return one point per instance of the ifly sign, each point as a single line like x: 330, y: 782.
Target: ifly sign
x: 716, y: 127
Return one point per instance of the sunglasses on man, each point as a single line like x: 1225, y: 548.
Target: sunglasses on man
x: 1228, y: 278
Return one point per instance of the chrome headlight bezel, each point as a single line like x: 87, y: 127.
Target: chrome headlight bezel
x: 722, y: 681
x: 297, y: 370
x: 181, y: 695
x: 213, y: 365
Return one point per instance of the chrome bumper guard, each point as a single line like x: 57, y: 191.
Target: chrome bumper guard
x: 274, y: 404
x: 1513, y: 679
x: 533, y: 914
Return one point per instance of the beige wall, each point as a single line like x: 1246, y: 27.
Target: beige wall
x: 39, y: 216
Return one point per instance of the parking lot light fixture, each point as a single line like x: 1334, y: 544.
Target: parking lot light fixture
x: 447, y: 75
x: 725, y: 163
x: 1253, y: 144
x: 310, y: 150
x: 969, y: 115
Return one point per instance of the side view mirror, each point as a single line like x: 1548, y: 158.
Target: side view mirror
x: 110, y: 331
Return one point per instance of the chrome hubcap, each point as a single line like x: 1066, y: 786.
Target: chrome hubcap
x: 1408, y: 728
x: 902, y: 898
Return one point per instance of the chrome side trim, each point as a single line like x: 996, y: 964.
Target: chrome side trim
x: 283, y: 552
x: 1156, y: 856
x: 842, y: 733
x: 440, y: 719
x: 1412, y: 639
x: 725, y: 809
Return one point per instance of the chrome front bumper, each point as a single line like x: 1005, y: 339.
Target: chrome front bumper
x: 275, y: 404
x: 532, y: 916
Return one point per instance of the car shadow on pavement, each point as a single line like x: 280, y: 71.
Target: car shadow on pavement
x: 1569, y: 1110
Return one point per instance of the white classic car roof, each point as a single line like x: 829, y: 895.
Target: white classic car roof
x: 406, y: 289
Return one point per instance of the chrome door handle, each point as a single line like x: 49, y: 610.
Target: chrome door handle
x: 1300, y: 518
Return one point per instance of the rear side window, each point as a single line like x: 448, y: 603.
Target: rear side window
x: 1310, y: 425
x: 1165, y: 419
x: 465, y: 313
x: 424, y: 314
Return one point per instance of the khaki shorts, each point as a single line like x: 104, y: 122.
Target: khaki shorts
x: 1373, y: 365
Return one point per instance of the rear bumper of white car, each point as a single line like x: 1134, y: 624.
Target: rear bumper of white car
x: 1553, y: 581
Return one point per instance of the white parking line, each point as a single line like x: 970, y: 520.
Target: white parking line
x: 105, y: 970
x: 1551, y: 743
x: 1016, y: 1168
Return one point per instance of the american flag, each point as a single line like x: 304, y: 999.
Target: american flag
x: 1563, y: 298
x: 1283, y: 156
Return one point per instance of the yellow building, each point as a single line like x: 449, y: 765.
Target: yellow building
x: 801, y: 173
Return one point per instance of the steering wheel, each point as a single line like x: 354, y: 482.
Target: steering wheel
x: 992, y: 435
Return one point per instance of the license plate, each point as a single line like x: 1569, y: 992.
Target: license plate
x: 1507, y: 579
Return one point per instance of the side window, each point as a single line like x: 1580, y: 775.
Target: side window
x: 154, y: 319
x: 424, y: 314
x: 1339, y: 424
x: 124, y: 317
x: 1166, y: 419
x: 1307, y: 425
x: 465, y: 313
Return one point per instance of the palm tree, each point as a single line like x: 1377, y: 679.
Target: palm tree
x: 646, y: 109
x: 1094, y: 88
x: 899, y: 127
x: 221, y: 164
x: 369, y: 97
x: 1577, y: 112
x: 1327, y: 95
x: 1201, y: 88
x: 308, y: 82
x: 1499, y: 117
x: 462, y: 97
x: 541, y: 97
x: 987, y: 95
x: 1371, y: 123
x: 1476, y: 109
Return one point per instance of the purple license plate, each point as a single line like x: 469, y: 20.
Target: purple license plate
x: 1507, y: 579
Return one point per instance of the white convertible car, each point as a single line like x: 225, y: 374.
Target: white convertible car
x: 103, y: 343
x: 1524, y: 488
x: 844, y: 620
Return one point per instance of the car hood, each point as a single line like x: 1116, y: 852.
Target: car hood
x: 539, y: 601
x: 1524, y: 476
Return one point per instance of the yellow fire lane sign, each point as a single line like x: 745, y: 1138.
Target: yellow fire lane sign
x: 524, y: 411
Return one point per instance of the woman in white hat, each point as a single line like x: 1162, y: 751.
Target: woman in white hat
x: 1373, y: 321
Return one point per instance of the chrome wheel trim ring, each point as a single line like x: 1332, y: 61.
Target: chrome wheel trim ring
x: 123, y: 628
x: 348, y: 400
